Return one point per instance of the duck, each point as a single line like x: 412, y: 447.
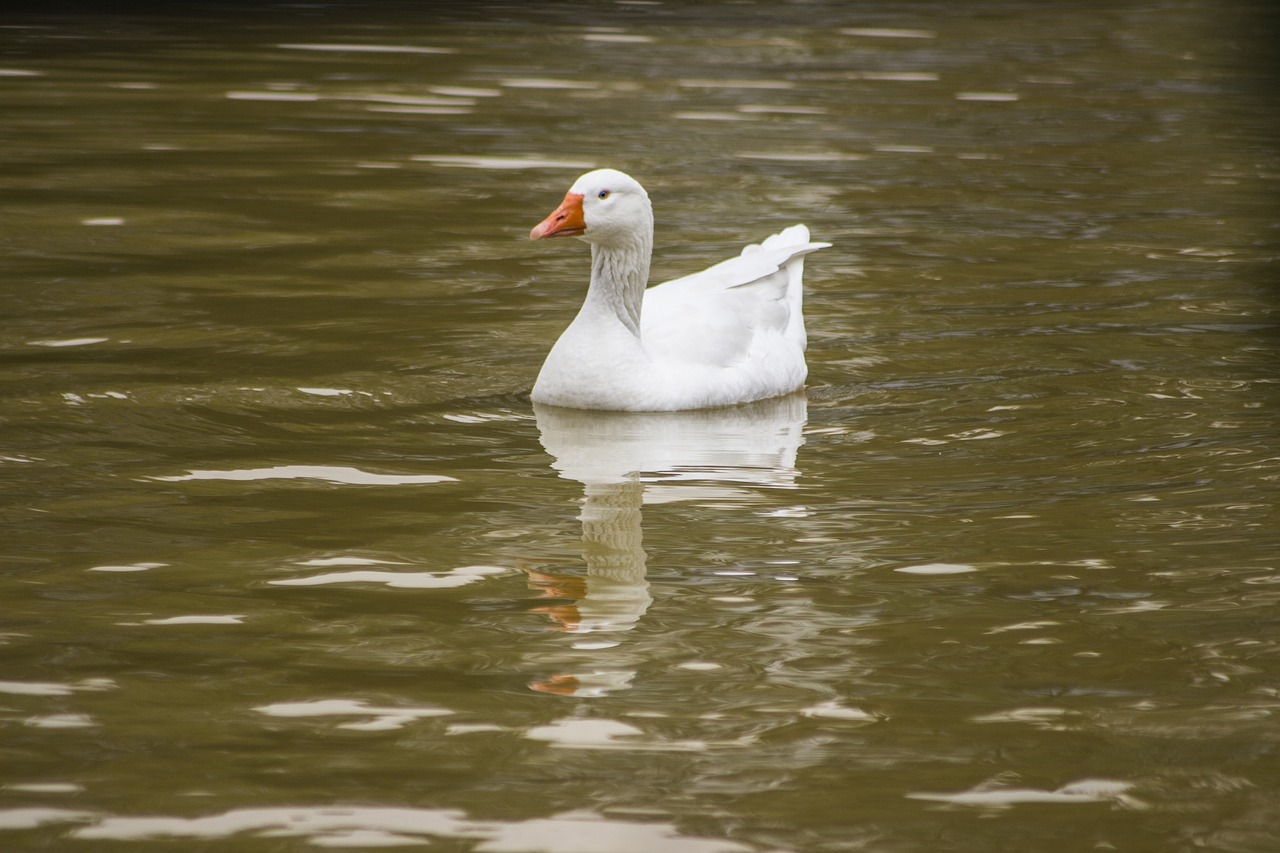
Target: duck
x: 733, y: 333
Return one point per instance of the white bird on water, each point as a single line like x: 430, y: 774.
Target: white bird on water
x: 732, y: 333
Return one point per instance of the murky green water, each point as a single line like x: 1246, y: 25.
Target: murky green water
x: 291, y: 561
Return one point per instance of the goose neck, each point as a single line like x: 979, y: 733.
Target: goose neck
x: 618, y: 278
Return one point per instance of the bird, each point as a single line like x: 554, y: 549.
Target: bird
x: 732, y: 333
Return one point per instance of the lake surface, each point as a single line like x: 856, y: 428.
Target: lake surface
x: 290, y: 561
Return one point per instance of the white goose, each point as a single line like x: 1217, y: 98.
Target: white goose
x: 730, y: 334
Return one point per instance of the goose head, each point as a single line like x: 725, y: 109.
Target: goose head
x: 605, y: 207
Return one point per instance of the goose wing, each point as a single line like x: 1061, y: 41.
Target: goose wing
x: 716, y: 316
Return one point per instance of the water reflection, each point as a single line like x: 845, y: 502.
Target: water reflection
x: 625, y: 459
x: 367, y: 827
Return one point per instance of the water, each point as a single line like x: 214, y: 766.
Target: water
x: 291, y: 561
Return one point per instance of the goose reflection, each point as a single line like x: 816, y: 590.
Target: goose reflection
x: 624, y: 460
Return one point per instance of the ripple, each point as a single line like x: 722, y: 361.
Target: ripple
x: 401, y: 580
x: 416, y: 100
x: 52, y: 688
x: 327, y: 473
x: 579, y: 733
x: 986, y: 96
x: 900, y: 76
x: 472, y: 162
x: 61, y: 721
x: 349, y: 561
x: 362, y: 826
x: 547, y: 83
x: 45, y: 787
x: 273, y: 96
x: 384, y: 719
x: 426, y: 111
x: 585, y: 733
x: 30, y: 818
x: 617, y: 38
x: 835, y: 710
x: 904, y: 149
x: 736, y: 84
x: 366, y: 48
x: 327, y: 392
x: 586, y: 684
x: 1047, y: 718
x: 464, y: 91
x: 196, y: 620
x: 68, y: 342
x: 800, y: 157
x: 937, y: 569
x: 1084, y: 791
x: 769, y: 109
x: 1024, y: 626
x: 888, y: 33
x: 130, y: 567
x: 591, y: 645
x: 710, y: 116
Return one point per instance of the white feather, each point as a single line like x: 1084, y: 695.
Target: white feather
x: 729, y: 334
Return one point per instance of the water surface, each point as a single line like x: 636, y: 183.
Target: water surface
x: 290, y: 559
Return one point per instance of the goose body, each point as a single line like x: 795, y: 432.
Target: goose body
x: 732, y: 333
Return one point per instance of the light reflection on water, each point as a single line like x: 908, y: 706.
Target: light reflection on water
x: 291, y: 559
x: 355, y: 826
x: 609, y: 454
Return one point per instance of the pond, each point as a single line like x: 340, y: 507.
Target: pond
x: 290, y: 560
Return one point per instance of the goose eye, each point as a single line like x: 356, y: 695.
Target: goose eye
x: 603, y: 195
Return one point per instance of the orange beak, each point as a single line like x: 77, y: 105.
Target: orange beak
x: 565, y: 221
